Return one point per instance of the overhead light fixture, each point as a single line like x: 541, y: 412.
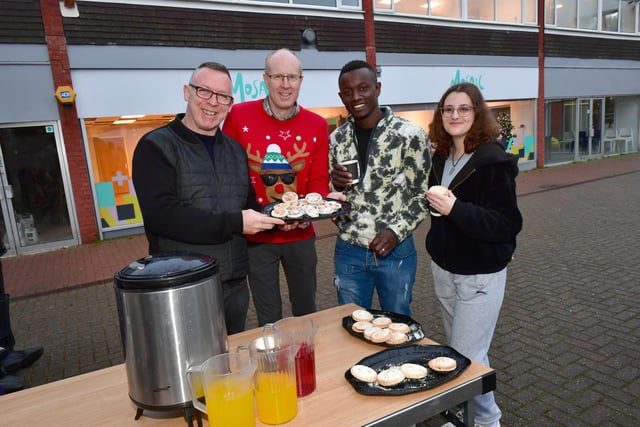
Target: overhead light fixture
x: 124, y: 122
x: 133, y: 116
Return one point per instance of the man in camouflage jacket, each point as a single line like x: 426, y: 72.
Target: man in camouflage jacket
x: 375, y: 248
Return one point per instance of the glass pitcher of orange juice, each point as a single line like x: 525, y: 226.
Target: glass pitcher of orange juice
x: 226, y: 380
x: 275, y: 379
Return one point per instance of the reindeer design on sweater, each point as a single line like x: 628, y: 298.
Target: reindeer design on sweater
x: 278, y: 173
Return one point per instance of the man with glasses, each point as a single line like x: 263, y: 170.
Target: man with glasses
x: 287, y: 147
x: 194, y: 190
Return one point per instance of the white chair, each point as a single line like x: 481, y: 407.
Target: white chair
x: 608, y: 142
x: 625, y: 137
x: 566, y: 144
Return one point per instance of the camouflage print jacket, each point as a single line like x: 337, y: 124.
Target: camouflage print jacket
x: 391, y: 194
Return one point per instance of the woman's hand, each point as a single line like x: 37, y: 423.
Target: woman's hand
x: 443, y: 203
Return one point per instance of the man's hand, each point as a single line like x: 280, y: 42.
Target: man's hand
x: 336, y: 195
x: 384, y: 243
x: 292, y: 225
x: 340, y: 177
x: 254, y: 222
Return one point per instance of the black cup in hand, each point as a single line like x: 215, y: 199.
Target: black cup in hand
x: 353, y: 167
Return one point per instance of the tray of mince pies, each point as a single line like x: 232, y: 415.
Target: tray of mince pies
x: 383, y: 328
x: 311, y: 207
x: 406, y: 369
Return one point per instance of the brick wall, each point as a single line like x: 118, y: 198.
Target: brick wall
x: 71, y: 131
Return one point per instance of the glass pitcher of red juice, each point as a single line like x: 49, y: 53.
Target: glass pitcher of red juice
x: 300, y: 331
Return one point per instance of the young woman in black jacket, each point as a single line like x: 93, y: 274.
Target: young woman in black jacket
x: 473, y: 225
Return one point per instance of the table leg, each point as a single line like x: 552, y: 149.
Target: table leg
x: 462, y: 415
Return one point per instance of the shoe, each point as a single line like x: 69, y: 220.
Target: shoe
x: 15, y: 360
x: 11, y: 383
x: 494, y: 424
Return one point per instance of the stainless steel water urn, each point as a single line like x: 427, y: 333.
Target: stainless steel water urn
x: 171, y: 315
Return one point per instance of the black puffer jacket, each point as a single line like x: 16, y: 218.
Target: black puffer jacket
x: 190, y: 203
x: 479, y: 234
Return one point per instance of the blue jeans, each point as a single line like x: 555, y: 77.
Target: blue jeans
x: 357, y: 276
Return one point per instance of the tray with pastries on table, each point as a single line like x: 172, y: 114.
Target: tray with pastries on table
x: 406, y: 369
x: 383, y: 328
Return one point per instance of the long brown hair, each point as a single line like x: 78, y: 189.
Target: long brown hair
x: 485, y: 128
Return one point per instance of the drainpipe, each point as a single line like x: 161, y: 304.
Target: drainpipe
x: 540, y: 104
x: 369, y: 33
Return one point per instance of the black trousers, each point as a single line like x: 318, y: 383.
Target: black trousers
x: 7, y: 339
x: 235, y: 294
x: 299, y: 260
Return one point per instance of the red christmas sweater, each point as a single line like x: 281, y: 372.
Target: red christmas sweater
x: 284, y: 155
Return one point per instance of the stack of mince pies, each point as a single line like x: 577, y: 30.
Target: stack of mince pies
x: 312, y: 205
x: 393, y: 375
x: 379, y: 329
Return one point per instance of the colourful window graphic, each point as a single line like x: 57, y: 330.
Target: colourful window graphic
x: 523, y: 147
x: 115, y: 206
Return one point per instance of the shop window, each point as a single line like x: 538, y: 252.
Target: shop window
x: 609, y: 111
x: 111, y: 142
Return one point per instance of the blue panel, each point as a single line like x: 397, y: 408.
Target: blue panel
x: 105, y: 194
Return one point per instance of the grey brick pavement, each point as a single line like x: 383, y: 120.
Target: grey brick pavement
x: 566, y: 346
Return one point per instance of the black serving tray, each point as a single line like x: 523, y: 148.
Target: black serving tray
x: 418, y: 354
x: 345, y: 209
x: 415, y: 333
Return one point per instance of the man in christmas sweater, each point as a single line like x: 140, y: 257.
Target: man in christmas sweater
x: 287, y: 148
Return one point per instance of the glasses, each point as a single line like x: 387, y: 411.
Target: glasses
x: 463, y: 110
x: 269, y: 179
x: 205, y: 93
x: 293, y: 78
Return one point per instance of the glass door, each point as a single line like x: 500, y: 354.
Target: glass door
x: 560, y: 132
x: 590, y: 127
x: 33, y: 195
